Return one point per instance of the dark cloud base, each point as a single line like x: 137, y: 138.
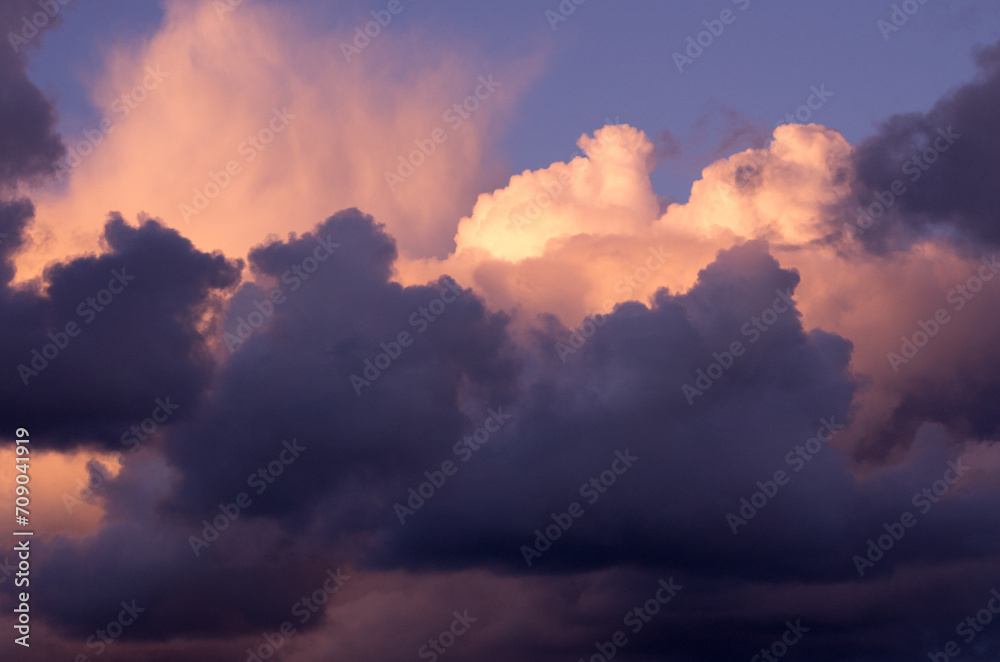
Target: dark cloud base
x: 334, y: 505
x: 160, y: 328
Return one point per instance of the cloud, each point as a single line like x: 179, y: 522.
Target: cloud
x: 129, y: 320
x: 465, y: 363
x: 951, y: 151
x: 710, y: 346
x: 29, y: 144
x: 407, y: 413
x: 621, y: 390
x: 304, y: 133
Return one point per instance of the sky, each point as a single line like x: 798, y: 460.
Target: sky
x: 547, y: 331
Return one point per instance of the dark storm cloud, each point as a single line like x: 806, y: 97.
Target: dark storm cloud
x: 927, y: 176
x: 29, y: 145
x: 89, y: 356
x: 963, y: 398
x: 292, y: 376
x: 289, y: 379
x: 151, y: 562
x: 310, y: 371
x: 621, y: 390
x: 15, y: 216
x: 948, y: 182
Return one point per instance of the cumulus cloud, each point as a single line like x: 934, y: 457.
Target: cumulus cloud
x: 621, y: 390
x: 304, y: 133
x: 951, y: 151
x: 741, y: 346
x: 152, y: 286
x: 29, y: 144
x: 586, y: 228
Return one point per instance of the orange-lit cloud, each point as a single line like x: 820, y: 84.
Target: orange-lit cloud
x: 303, y: 132
x: 62, y: 490
x: 588, y: 228
x: 577, y: 238
x: 568, y: 240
